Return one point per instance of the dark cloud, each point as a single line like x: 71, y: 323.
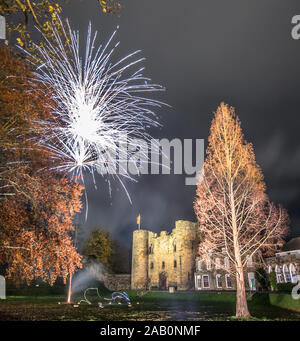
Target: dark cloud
x: 205, y: 52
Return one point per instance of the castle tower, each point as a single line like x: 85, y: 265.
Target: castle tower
x: 139, y: 273
x: 187, y: 236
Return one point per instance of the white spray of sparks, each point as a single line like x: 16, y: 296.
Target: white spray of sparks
x: 97, y: 104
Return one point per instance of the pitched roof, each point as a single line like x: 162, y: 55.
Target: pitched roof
x: 293, y: 244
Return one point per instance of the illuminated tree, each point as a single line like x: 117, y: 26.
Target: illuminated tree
x: 99, y: 246
x: 20, y: 13
x: 37, y: 204
x: 235, y: 216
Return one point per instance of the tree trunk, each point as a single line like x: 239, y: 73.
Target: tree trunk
x: 241, y: 298
x: 70, y: 289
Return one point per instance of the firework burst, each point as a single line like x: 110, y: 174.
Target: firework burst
x: 98, y: 104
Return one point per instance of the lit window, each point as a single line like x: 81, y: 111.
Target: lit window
x: 208, y: 264
x: 198, y: 282
x: 205, y: 281
x: 278, y: 274
x: 293, y: 273
x: 286, y: 273
x: 219, y: 281
x: 251, y: 279
x: 228, y: 281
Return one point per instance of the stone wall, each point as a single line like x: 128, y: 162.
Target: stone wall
x: 117, y: 282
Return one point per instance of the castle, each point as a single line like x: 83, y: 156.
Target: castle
x: 161, y: 261
x: 165, y: 260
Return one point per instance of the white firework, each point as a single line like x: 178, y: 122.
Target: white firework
x: 98, y: 106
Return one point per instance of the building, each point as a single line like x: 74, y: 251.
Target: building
x: 286, y: 263
x: 212, y: 275
x: 160, y: 261
x: 165, y: 260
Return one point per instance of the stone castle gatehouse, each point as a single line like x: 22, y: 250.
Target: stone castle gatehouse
x: 165, y: 260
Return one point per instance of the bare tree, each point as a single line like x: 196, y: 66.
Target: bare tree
x: 235, y: 215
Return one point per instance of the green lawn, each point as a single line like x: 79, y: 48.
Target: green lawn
x: 152, y: 306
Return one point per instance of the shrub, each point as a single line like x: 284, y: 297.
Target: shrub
x: 273, y: 280
x: 286, y: 287
x: 262, y: 278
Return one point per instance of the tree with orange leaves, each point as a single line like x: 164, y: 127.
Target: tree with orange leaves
x: 234, y: 213
x: 21, y: 14
x: 37, y: 204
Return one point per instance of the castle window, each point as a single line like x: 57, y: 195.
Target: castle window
x: 228, y: 281
x: 226, y: 262
x: 218, y: 264
x: 175, y: 264
x: 151, y: 249
x: 205, y: 281
x: 219, y: 281
x: 175, y: 248
x: 163, y: 265
x: 151, y: 265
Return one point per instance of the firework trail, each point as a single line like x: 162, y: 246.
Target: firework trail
x: 98, y: 106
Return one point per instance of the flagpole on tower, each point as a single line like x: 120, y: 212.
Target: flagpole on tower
x: 138, y: 221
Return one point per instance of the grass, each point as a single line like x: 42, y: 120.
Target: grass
x: 285, y: 301
x: 154, y: 306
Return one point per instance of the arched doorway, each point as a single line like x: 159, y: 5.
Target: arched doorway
x: 163, y: 281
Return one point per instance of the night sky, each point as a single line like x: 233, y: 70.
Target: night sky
x: 205, y: 52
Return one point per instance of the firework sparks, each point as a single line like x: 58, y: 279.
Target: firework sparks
x: 98, y: 104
